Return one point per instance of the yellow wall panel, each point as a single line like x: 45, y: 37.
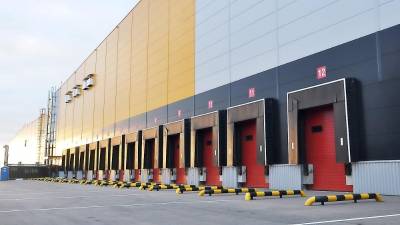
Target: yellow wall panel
x: 123, y: 75
x: 110, y: 84
x: 138, y: 92
x: 78, y: 108
x: 181, y: 50
x: 146, y: 63
x: 69, y: 118
x: 88, y: 99
x: 60, y: 135
x: 98, y: 89
x: 158, y: 54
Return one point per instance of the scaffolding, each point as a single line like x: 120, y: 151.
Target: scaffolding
x: 50, y: 143
x: 41, y: 131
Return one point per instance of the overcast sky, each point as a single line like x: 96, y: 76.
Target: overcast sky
x: 41, y: 43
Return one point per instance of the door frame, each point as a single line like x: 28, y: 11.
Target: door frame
x: 343, y: 94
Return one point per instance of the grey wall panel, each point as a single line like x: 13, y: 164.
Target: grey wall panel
x: 253, y: 57
x: 299, y: 9
x: 311, y: 34
x: 211, y: 45
x: 210, y: 9
x: 229, y: 177
x: 203, y: 3
x: 144, y: 176
x: 285, y: 3
x: 244, y: 13
x: 215, y: 78
x: 185, y: 107
x: 377, y: 176
x: 166, y: 176
x: 236, y: 39
x: 284, y: 176
x: 217, y: 45
x: 389, y: 13
x: 193, y: 176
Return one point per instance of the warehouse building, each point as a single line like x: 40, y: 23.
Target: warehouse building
x: 28, y: 144
x: 278, y: 94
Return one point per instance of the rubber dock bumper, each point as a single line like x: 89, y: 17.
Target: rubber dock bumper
x: 346, y: 197
x: 194, y: 188
x: 250, y: 195
x: 226, y: 191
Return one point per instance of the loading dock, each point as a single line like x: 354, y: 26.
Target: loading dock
x: 246, y: 141
x: 176, y: 151
x: 152, y: 142
x: 82, y: 161
x: 72, y: 162
x: 92, y: 161
x: 64, y: 159
x: 133, y: 154
x: 117, y: 153
x: 322, y: 133
x: 208, y: 148
x: 103, y: 167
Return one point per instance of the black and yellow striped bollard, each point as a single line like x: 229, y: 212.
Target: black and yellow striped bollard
x: 251, y: 195
x: 226, y: 191
x: 346, y: 197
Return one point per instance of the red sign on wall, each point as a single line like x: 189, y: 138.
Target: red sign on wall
x: 252, y: 92
x: 179, y: 113
x: 321, y: 72
x: 210, y: 104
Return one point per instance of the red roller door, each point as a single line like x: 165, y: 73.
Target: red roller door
x: 212, y: 177
x: 121, y: 175
x: 320, y: 150
x: 180, y: 172
x: 137, y: 175
x: 156, y: 171
x: 255, y: 172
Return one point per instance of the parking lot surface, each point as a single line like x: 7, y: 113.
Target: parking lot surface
x: 41, y: 203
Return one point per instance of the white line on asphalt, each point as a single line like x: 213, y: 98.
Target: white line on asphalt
x: 44, y: 193
x: 105, y: 206
x: 64, y: 197
x: 351, y: 219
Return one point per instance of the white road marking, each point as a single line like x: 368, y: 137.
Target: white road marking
x: 65, y: 197
x: 46, y: 193
x: 106, y: 206
x: 351, y: 219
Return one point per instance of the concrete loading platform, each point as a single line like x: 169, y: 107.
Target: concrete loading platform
x: 34, y: 202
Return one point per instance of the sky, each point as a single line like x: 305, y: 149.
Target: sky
x: 42, y: 42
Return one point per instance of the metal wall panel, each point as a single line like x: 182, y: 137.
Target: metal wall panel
x: 165, y: 176
x: 69, y: 117
x: 100, y: 79
x: 285, y: 176
x: 377, y: 176
x: 301, y: 35
x: 193, y: 177
x: 61, y: 108
x: 253, y: 37
x: 181, y: 50
x: 212, y: 45
x: 122, y: 98
x: 144, y: 176
x: 139, y: 64
x: 229, y: 177
x: 388, y: 13
x: 78, y: 108
x: 237, y: 39
x: 157, y: 54
x: 110, y: 84
x: 88, y: 101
